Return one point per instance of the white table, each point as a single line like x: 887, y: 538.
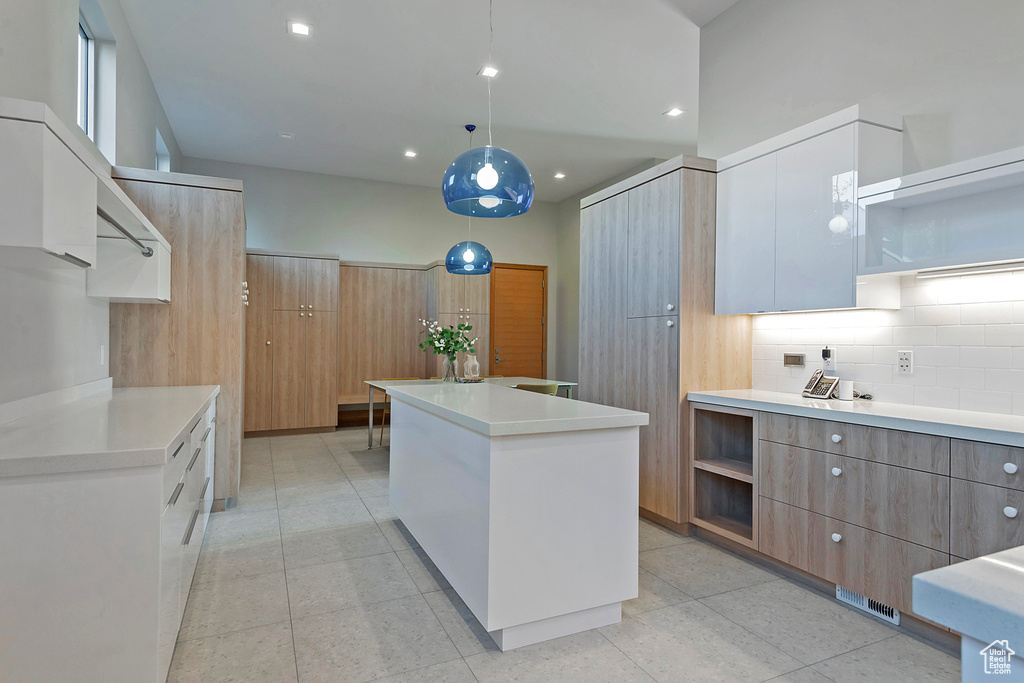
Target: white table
x: 983, y: 600
x: 383, y: 385
x: 525, y: 502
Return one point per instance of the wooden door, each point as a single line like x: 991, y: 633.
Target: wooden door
x: 518, y: 320
x: 655, y: 233
x: 289, y: 283
x: 321, y: 285
x: 289, y: 399
x: 259, y: 351
x: 603, y: 238
x: 321, y: 392
x: 652, y: 369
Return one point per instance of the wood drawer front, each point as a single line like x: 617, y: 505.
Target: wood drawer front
x: 908, y: 504
x: 979, y: 525
x: 905, y: 449
x: 878, y: 566
x: 988, y: 463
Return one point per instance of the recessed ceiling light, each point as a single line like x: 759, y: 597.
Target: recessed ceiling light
x: 674, y: 111
x: 286, y: 136
x: 298, y: 28
x: 487, y: 71
x: 559, y: 176
x: 409, y: 153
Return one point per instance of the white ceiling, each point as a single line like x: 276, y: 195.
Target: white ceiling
x: 582, y: 85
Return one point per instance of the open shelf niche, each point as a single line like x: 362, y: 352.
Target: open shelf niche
x: 723, y: 479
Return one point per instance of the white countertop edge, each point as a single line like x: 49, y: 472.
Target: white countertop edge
x: 981, y: 598
x: 523, y: 427
x: 95, y: 461
x: 896, y: 416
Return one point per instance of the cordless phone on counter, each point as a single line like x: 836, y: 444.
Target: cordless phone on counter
x: 820, y: 386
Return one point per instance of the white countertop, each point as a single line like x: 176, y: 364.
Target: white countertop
x: 981, y: 598
x: 384, y: 385
x: 495, y: 410
x: 959, y: 424
x: 109, y: 430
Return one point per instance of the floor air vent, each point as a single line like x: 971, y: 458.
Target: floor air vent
x: 890, y: 614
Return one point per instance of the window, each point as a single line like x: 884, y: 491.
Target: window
x: 163, y: 156
x: 86, y: 79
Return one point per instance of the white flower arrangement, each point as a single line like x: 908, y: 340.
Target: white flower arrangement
x: 446, y: 340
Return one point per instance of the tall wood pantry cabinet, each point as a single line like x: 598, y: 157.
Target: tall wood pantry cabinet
x: 292, y: 342
x: 454, y: 299
x: 198, y: 337
x: 648, y: 333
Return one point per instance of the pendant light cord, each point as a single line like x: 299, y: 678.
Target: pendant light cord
x: 490, y: 47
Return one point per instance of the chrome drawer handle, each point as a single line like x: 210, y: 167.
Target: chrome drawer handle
x: 836, y: 438
x: 836, y: 471
x: 1010, y: 512
x: 191, y: 527
x: 194, y: 456
x: 177, y: 492
x: 837, y: 537
x: 1010, y: 468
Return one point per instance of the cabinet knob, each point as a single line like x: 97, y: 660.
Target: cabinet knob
x: 1010, y: 468
x: 302, y: 305
x: 302, y: 315
x: 268, y: 343
x: 836, y: 438
x: 671, y: 307
x: 1010, y: 512
x: 670, y: 323
x: 836, y: 471
x: 245, y: 291
x: 246, y: 303
x: 310, y: 315
x: 837, y: 537
x: 460, y: 310
x: 245, y: 283
x: 310, y: 306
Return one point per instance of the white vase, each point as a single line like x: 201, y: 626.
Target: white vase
x: 471, y: 368
x: 450, y: 370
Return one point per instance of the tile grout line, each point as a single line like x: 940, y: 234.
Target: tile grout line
x: 624, y: 654
x: 287, y: 594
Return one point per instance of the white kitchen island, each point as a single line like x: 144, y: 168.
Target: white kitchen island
x: 526, y: 503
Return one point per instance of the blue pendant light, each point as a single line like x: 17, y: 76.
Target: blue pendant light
x: 489, y: 182
x: 468, y: 258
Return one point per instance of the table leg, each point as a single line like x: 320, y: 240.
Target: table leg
x: 568, y: 391
x: 369, y: 432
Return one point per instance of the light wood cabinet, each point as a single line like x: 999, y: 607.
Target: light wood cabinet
x: 984, y: 519
x: 259, y: 345
x: 292, y: 342
x: 988, y: 463
x: 450, y: 293
x: 648, y: 333
x: 654, y: 236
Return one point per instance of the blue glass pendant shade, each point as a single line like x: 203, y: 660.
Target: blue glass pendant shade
x: 487, y: 182
x: 468, y: 258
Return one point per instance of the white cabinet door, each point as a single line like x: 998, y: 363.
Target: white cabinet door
x: 745, y: 238
x: 814, y: 223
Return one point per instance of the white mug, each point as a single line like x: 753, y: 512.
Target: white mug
x: 845, y: 390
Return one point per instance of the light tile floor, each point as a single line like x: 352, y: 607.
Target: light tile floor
x: 312, y: 578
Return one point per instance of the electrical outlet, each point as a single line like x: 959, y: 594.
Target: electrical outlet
x: 904, y: 362
x: 828, y: 359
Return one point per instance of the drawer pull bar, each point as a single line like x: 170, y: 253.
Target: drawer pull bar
x: 191, y: 527
x: 206, y: 434
x: 194, y: 456
x: 836, y: 438
x: 182, y: 445
x: 837, y: 537
x: 177, y: 492
x: 836, y: 471
x: 1010, y: 512
x: 1010, y: 468
x: 206, y: 485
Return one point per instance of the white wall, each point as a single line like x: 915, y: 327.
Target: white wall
x: 967, y: 335
x: 366, y: 220
x: 952, y: 68
x: 52, y: 333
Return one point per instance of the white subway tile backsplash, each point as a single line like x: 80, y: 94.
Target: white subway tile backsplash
x: 986, y: 313
x: 967, y: 335
x: 985, y: 357
x: 910, y: 336
x: 937, y: 315
x: 960, y: 335
x: 986, y: 401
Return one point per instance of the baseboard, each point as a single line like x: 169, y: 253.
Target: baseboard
x: 934, y: 634
x: 222, y: 504
x: 684, y: 528
x: 289, y: 432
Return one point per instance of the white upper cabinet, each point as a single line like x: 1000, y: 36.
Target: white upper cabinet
x: 49, y: 199
x: 745, y: 239
x: 787, y: 216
